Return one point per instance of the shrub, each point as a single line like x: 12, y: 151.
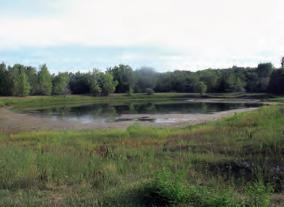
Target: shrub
x: 165, y: 189
x: 170, y: 189
x: 258, y: 195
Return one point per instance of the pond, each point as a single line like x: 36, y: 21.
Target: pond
x: 135, y: 111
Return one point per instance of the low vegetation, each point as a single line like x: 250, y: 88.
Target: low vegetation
x: 50, y: 101
x: 235, y: 162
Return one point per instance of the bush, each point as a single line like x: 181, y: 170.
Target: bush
x: 171, y: 189
x: 149, y: 91
x: 165, y: 189
x: 258, y: 195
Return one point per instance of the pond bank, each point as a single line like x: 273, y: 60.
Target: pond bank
x: 11, y: 122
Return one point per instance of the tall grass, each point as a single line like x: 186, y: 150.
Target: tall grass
x: 204, y: 165
x: 168, y: 189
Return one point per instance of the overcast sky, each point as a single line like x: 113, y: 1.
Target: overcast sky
x: 164, y: 34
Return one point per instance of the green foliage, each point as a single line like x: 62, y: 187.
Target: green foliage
x: 164, y: 82
x: 232, y: 82
x: 264, y: 70
x: 101, y: 84
x: 33, y: 79
x: 94, y: 86
x: 20, y: 84
x: 107, y: 84
x: 276, y: 83
x: 171, y: 189
x: 79, y: 83
x: 165, y: 189
x: 200, y: 88
x: 44, y: 81
x: 60, y: 84
x: 258, y: 195
x: 211, y: 79
x: 198, y: 166
x: 124, y: 76
x: 5, y: 81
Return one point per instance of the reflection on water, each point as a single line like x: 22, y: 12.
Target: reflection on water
x: 111, y: 112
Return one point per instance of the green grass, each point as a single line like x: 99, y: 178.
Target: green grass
x: 51, y: 101
x: 168, y: 189
x: 205, y: 165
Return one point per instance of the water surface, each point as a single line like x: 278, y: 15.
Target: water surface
x: 111, y: 112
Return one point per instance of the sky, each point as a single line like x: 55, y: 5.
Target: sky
x: 71, y: 35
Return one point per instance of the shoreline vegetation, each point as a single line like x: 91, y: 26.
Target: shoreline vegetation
x: 49, y: 101
x: 233, y: 162
x: 21, y: 80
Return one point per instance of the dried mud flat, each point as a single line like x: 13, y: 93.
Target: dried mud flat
x: 15, y: 122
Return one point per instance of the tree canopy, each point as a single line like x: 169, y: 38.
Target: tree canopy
x: 124, y: 76
x: 60, y: 84
x: 20, y: 80
x: 44, y: 81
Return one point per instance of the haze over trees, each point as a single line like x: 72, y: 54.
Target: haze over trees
x: 20, y: 80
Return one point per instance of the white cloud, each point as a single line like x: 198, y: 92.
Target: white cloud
x: 205, y: 31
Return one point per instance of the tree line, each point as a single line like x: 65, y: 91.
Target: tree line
x: 21, y: 80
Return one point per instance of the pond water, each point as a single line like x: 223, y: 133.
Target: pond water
x: 113, y: 112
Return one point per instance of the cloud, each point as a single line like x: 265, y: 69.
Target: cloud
x: 77, y: 57
x: 205, y: 32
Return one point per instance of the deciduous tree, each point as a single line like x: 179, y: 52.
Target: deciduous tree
x: 44, y: 81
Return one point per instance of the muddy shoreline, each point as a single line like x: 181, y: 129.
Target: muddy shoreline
x: 11, y: 122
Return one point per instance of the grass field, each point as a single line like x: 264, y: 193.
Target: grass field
x: 235, y: 162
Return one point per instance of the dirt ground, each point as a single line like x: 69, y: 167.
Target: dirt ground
x: 11, y: 122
